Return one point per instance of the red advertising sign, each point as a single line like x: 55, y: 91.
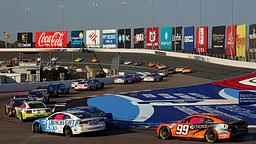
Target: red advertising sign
x: 56, y: 39
x: 152, y: 37
x: 203, y: 39
x: 228, y: 40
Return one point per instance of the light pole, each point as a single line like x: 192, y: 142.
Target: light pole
x: 231, y: 47
x: 199, y: 29
x: 175, y: 35
x: 26, y: 10
x: 62, y: 7
x: 152, y: 21
x: 95, y: 4
x: 124, y: 2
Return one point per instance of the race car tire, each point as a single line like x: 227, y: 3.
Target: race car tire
x: 67, y: 91
x: 6, y: 110
x: 165, y: 133
x: 48, y: 101
x: 21, y: 118
x: 211, y: 136
x: 37, y: 128
x: 102, y: 85
x: 126, y: 82
x: 132, y: 81
x: 96, y: 87
x: 67, y: 131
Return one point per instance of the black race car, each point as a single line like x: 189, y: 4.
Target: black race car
x: 53, y: 92
x: 9, y: 108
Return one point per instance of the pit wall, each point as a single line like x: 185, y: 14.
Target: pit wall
x: 214, y: 60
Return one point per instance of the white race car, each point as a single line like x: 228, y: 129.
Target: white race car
x: 128, y: 62
x: 124, y: 79
x: 152, y: 77
x: 73, y: 84
x: 86, y: 85
x: 69, y: 123
x: 179, y: 69
x: 53, y: 59
x: 163, y: 73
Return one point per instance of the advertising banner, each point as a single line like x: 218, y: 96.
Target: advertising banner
x: 189, y: 39
x: 124, y: 38
x: 252, y: 38
x: 218, y: 39
x: 241, y: 40
x: 93, y: 38
x: 139, y: 38
x: 228, y: 40
x: 77, y: 38
x: 247, y: 97
x: 176, y: 38
x: 55, y: 39
x: 203, y: 39
x: 166, y: 38
x: 152, y: 37
x: 25, y: 39
x: 109, y: 38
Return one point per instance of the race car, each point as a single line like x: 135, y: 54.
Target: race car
x: 86, y: 85
x: 95, y: 60
x: 171, y: 70
x: 152, y: 64
x: 186, y: 70
x: 21, y: 96
x: 123, y: 79
x: 38, y: 95
x: 54, y: 59
x: 158, y: 64
x: 48, y: 90
x: 108, y: 117
x: 79, y: 59
x: 32, y: 110
x: 128, y: 62
x: 12, y: 104
x: 98, y: 83
x: 152, y: 77
x: 209, y: 127
x: 121, y: 61
x: 138, y: 63
x: 135, y: 77
x: 161, y: 66
x: 69, y: 123
x: 61, y: 88
x: 73, y: 84
x: 179, y: 69
x: 163, y: 73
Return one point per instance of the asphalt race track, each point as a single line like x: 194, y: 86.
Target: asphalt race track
x: 14, y: 131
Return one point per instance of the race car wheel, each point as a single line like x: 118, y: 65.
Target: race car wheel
x: 67, y: 131
x: 126, y: 82
x: 37, y: 128
x: 6, y: 111
x: 96, y: 88
x: 67, y: 90
x: 211, y: 136
x: 102, y: 85
x: 21, y: 117
x: 165, y: 133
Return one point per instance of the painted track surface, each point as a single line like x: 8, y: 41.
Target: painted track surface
x: 14, y: 131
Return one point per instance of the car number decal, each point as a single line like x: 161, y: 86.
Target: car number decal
x: 182, y: 129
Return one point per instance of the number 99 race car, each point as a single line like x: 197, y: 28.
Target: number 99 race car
x: 69, y: 122
x: 209, y: 127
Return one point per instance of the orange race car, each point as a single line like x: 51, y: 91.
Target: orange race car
x: 209, y: 127
x: 186, y: 70
x: 95, y: 60
x: 151, y: 64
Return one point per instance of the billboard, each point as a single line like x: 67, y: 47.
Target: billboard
x: 252, y: 38
x: 176, y: 38
x: 241, y: 40
x: 124, y: 38
x: 218, y: 39
x: 77, y: 38
x: 152, y: 37
x: 228, y: 40
x: 93, y: 38
x: 189, y: 39
x: 203, y: 39
x: 55, y: 39
x: 24, y: 39
x: 139, y: 38
x: 109, y: 38
x: 166, y: 38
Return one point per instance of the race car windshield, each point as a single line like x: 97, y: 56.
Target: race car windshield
x: 21, y: 96
x: 226, y: 118
x: 42, y: 87
x: 83, y: 115
x: 94, y: 110
x: 36, y: 105
x: 36, y: 93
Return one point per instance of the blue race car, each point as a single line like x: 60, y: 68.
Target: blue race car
x: 97, y: 113
x: 61, y: 88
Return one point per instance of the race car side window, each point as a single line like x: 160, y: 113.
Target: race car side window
x: 185, y: 120
x: 52, y: 117
x: 66, y: 117
x: 206, y: 120
x: 196, y: 120
x: 59, y: 117
x: 22, y: 106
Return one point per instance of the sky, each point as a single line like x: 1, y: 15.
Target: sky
x: 46, y: 15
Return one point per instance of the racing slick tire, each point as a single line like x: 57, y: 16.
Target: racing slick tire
x: 165, y: 133
x: 21, y: 118
x: 211, y: 136
x: 6, y: 111
x: 102, y: 85
x: 96, y: 87
x: 68, y: 91
x: 126, y: 82
x: 132, y: 81
x: 67, y: 131
x: 37, y: 128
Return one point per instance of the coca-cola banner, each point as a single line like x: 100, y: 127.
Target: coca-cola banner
x: 55, y: 39
x: 152, y: 37
x: 228, y: 40
x: 218, y: 39
x: 203, y: 39
x: 93, y: 38
x: 252, y: 38
x: 139, y: 38
x: 176, y: 38
x: 25, y: 39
